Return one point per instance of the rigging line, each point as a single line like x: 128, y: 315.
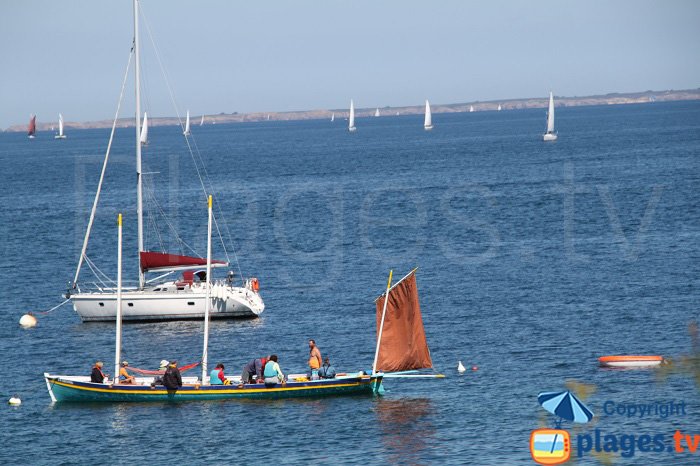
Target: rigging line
x: 172, y: 228
x: 150, y: 197
x: 95, y: 269
x: 102, y: 174
x: 90, y: 265
x: 189, y: 146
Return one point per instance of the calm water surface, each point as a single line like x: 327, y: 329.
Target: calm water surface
x: 534, y: 260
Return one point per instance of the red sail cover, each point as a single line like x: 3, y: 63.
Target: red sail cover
x: 403, y: 346
x: 151, y: 260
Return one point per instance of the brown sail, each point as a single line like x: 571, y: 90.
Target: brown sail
x: 32, y: 126
x: 403, y: 345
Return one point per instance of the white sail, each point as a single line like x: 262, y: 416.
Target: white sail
x: 351, y: 119
x: 60, y: 134
x: 428, y: 124
x: 499, y: 107
x: 201, y: 123
x: 550, y: 135
x: 144, y: 130
x: 471, y: 108
x: 332, y: 117
x: 187, y: 125
x: 550, y: 114
x: 376, y: 112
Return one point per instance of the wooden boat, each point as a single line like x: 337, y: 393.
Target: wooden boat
x: 630, y: 361
x: 401, y: 350
x: 80, y: 389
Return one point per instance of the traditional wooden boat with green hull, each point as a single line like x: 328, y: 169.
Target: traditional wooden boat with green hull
x: 80, y: 389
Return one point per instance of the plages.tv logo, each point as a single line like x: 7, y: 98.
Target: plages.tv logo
x: 553, y: 446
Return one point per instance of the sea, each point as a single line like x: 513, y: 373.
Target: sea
x: 534, y: 259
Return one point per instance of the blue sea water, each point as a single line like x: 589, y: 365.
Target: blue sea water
x: 534, y: 260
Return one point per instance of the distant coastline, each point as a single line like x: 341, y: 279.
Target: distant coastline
x: 320, y: 114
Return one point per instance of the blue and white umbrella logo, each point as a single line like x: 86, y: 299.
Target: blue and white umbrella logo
x: 566, y: 406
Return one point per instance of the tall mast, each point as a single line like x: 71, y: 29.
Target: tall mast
x: 207, y: 305
x: 118, y: 340
x: 381, y: 325
x: 139, y: 190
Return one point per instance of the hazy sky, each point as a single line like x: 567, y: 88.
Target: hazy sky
x: 228, y: 55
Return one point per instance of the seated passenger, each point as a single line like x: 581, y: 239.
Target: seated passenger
x: 217, y: 376
x: 273, y: 373
x: 97, y: 376
x: 326, y: 371
x: 124, y: 377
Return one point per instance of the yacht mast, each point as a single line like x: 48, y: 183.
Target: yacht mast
x: 139, y: 190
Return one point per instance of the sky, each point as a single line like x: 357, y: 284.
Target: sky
x: 248, y: 56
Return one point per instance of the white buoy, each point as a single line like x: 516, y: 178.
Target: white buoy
x: 27, y: 320
x: 460, y: 367
x: 15, y: 401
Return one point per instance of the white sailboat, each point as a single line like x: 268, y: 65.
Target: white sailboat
x: 376, y: 112
x: 499, y: 107
x: 332, y: 117
x: 201, y: 123
x: 163, y: 297
x: 471, y: 109
x: 549, y: 134
x: 60, y: 134
x: 351, y: 119
x: 428, y: 124
x: 144, y: 131
x: 268, y: 117
x: 187, y: 125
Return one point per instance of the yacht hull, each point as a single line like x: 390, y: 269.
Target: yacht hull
x: 226, y: 303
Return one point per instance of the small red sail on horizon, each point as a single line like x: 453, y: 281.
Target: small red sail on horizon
x: 403, y: 345
x: 152, y: 261
x: 32, y: 126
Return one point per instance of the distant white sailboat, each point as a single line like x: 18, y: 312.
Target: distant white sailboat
x: 268, y: 117
x: 351, y: 119
x: 428, y: 124
x: 201, y: 123
x: 60, y: 134
x: 550, y: 135
x: 376, y: 112
x: 332, y: 117
x: 187, y: 125
x: 471, y: 108
x: 499, y: 107
x: 144, y: 130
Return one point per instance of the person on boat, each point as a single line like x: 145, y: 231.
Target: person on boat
x: 253, y: 368
x: 326, y: 371
x: 172, y: 378
x: 273, y: 374
x: 315, y: 359
x: 124, y: 376
x: 97, y: 376
x: 158, y: 379
x: 216, y: 377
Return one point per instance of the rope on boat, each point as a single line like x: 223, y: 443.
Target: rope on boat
x: 182, y: 369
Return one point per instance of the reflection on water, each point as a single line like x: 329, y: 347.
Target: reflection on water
x: 406, y: 427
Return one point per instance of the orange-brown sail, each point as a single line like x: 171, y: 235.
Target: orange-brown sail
x: 403, y: 345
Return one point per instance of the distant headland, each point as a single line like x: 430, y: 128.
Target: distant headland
x: 320, y: 114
